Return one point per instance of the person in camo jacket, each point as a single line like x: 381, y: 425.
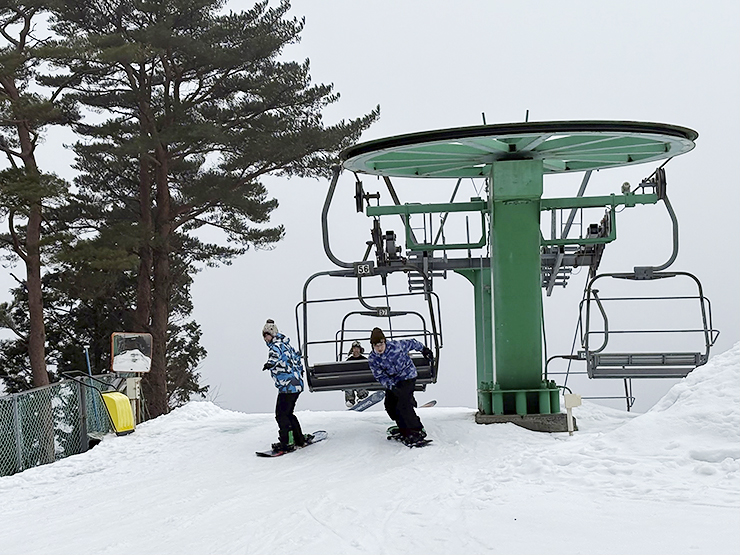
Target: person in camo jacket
x: 392, y: 366
x: 284, y: 364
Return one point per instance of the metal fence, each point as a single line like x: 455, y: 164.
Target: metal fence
x: 49, y: 423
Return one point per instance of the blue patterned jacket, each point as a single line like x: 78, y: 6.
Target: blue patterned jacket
x: 285, y: 365
x: 395, y: 364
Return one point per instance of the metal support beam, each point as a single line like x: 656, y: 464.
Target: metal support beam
x: 629, y: 200
x: 515, y: 267
x: 406, y: 209
x: 481, y: 279
x: 564, y: 235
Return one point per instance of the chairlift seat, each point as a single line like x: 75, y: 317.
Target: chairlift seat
x: 643, y: 365
x: 356, y: 374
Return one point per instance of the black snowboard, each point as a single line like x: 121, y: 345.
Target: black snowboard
x: 320, y: 435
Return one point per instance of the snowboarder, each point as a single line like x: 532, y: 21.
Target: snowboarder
x: 284, y: 363
x: 355, y: 353
x: 392, y: 366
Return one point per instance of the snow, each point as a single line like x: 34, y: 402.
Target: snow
x: 131, y: 361
x: 667, y: 481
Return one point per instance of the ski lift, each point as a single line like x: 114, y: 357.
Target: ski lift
x: 603, y: 361
x: 398, y: 322
x: 338, y: 375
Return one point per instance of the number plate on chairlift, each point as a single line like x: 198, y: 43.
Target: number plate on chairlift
x: 366, y: 268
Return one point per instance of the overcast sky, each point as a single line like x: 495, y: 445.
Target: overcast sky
x: 434, y: 64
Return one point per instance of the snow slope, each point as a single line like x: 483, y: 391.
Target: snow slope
x: 667, y: 481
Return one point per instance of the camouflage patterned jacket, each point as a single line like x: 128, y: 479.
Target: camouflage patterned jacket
x: 285, y: 365
x: 395, y: 364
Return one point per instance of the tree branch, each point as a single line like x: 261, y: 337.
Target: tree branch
x: 17, y: 247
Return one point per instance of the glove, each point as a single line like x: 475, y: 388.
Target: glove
x: 267, y: 366
x: 426, y: 352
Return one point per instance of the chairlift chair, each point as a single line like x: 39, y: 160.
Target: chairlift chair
x: 339, y: 375
x: 603, y: 363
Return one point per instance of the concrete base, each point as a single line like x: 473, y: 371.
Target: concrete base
x: 535, y: 422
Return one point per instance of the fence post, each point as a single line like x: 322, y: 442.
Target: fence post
x: 82, y: 407
x: 18, y: 433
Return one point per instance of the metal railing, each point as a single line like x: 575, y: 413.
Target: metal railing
x: 49, y: 423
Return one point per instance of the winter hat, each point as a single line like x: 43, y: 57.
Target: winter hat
x: 270, y: 328
x: 376, y: 336
x: 356, y: 344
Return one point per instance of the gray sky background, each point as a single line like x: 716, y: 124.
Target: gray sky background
x: 436, y: 64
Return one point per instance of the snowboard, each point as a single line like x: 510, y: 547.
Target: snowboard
x: 377, y: 397
x: 369, y: 401
x: 320, y: 435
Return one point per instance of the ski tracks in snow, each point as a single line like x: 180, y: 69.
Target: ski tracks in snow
x: 189, y: 482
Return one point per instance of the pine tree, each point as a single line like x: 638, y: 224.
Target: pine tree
x: 200, y: 103
x: 25, y: 190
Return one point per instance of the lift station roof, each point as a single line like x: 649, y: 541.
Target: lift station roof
x: 563, y: 146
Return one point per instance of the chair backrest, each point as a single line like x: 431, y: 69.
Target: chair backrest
x: 356, y: 374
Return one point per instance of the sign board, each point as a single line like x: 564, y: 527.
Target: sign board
x: 364, y: 269
x: 131, y: 352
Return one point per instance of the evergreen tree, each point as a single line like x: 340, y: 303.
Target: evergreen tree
x: 201, y: 105
x: 24, y: 189
x: 88, y: 297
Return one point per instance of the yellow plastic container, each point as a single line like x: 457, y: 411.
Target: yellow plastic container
x: 119, y: 408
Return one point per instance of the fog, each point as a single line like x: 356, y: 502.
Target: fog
x: 433, y: 65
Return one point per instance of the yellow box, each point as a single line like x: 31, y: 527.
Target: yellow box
x: 119, y: 408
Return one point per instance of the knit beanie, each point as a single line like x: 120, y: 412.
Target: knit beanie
x: 376, y: 336
x: 270, y: 328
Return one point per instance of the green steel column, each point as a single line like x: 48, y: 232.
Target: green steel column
x: 515, y: 269
x: 481, y: 280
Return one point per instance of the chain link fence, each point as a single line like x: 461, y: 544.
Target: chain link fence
x: 49, y: 423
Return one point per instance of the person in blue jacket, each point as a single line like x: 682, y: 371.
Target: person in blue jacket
x: 284, y: 364
x: 392, y: 366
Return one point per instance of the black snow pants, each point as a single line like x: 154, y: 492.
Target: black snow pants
x: 287, y: 422
x: 400, y: 403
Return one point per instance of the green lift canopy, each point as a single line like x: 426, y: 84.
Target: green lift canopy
x: 562, y: 146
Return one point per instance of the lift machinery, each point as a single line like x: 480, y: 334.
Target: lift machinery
x: 517, y: 261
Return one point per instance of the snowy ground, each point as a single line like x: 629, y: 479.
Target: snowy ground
x: 667, y: 481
